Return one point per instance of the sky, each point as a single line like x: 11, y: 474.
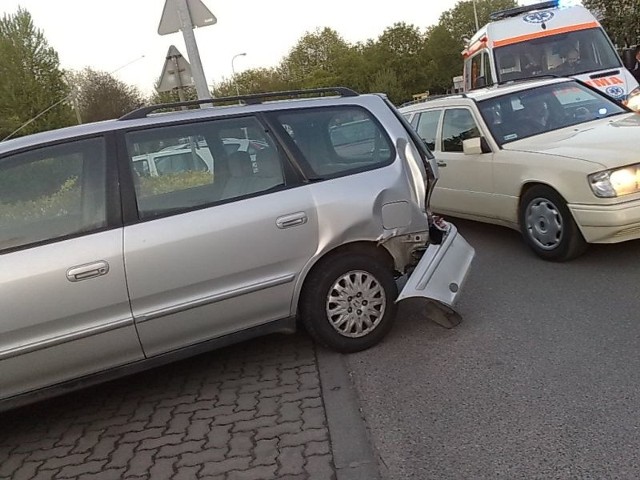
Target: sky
x: 121, y: 36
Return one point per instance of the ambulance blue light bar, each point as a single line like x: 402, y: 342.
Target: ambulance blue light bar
x: 567, y: 3
x: 514, y: 12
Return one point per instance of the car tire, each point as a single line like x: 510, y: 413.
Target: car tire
x: 548, y: 226
x: 348, y: 303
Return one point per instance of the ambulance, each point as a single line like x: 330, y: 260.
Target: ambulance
x: 552, y: 38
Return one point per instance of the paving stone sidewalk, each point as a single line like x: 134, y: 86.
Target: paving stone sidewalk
x: 250, y: 411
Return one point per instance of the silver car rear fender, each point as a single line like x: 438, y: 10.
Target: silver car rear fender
x: 438, y: 279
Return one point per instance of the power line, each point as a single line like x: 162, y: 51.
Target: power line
x: 28, y: 122
x: 127, y: 64
x: 35, y: 118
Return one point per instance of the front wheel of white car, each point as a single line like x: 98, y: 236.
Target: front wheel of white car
x: 548, y: 226
x: 348, y: 303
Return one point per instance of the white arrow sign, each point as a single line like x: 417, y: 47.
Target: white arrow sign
x: 176, y: 72
x: 170, y: 22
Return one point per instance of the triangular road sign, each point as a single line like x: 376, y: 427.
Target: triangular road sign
x: 170, y: 22
x: 176, y: 72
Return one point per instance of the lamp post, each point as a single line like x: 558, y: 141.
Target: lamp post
x: 234, y: 72
x: 475, y: 15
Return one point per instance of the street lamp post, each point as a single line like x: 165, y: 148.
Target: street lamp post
x: 475, y: 15
x: 234, y: 72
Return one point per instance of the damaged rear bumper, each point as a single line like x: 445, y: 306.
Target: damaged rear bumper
x: 440, y: 275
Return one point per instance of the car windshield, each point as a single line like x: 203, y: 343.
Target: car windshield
x: 525, y: 113
x: 565, y: 54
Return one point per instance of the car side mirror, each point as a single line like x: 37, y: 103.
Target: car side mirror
x: 475, y: 146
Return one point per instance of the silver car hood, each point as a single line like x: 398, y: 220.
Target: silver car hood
x: 609, y: 142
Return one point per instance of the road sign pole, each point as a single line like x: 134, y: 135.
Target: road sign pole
x: 180, y: 86
x: 192, y: 51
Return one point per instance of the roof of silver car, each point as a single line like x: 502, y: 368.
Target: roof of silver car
x: 247, y: 99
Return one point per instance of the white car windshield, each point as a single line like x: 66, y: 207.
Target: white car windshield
x: 538, y: 110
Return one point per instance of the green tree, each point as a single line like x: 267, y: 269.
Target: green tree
x: 460, y: 20
x: 355, y: 69
x: 188, y: 93
x: 256, y: 80
x: 32, y: 89
x: 314, y: 61
x: 441, y: 56
x: 101, y: 96
x: 399, y: 49
x: 620, y: 19
x: 444, y: 60
x: 386, y: 81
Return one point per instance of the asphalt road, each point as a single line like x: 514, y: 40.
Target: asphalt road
x: 540, y: 380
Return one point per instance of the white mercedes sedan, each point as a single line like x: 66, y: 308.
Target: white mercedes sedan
x: 554, y: 158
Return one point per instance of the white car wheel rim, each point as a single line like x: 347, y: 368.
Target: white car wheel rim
x: 544, y: 224
x: 355, y: 304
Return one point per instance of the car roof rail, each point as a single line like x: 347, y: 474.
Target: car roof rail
x: 514, y: 12
x: 433, y: 97
x: 252, y: 99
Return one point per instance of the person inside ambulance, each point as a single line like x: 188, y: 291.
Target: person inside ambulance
x: 530, y: 66
x: 572, y: 63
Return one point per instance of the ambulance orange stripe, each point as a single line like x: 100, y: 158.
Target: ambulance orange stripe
x: 545, y: 33
x: 475, y: 47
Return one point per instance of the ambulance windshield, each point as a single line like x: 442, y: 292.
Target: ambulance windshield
x: 565, y: 54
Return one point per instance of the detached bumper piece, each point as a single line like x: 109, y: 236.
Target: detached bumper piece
x: 439, y: 277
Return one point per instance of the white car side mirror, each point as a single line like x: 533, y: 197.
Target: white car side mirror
x: 472, y: 146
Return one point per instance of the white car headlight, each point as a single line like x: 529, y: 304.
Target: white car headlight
x: 633, y: 100
x: 616, y: 182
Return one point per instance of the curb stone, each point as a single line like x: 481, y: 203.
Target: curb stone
x: 353, y: 454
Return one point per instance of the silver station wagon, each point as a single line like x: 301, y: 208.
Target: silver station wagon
x: 107, y: 268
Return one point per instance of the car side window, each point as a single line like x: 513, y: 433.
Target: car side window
x: 337, y: 140
x: 427, y: 126
x: 458, y: 125
x: 182, y: 167
x: 52, y: 192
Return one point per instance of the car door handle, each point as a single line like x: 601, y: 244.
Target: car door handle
x: 292, y: 220
x: 90, y: 270
x: 441, y: 163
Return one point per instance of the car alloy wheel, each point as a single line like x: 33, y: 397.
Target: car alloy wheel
x: 355, y: 304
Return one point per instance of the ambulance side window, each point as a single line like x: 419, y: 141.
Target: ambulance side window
x: 487, y: 68
x: 481, y: 70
